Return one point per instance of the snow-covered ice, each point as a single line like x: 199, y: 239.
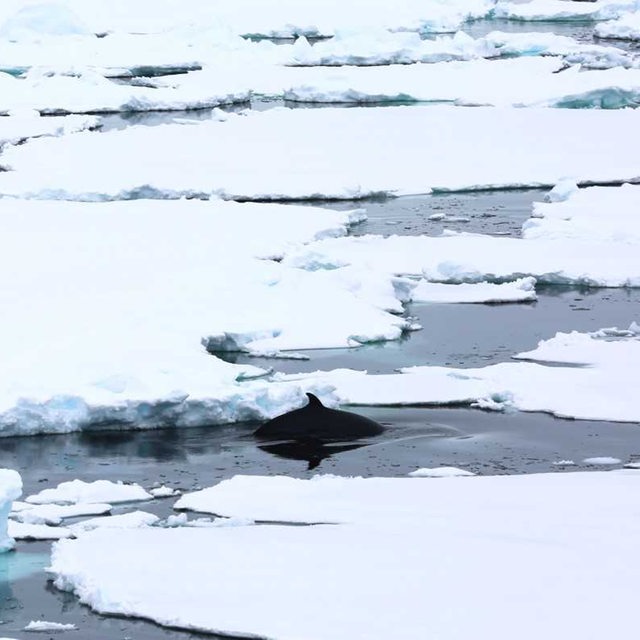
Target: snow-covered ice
x: 78, y: 492
x: 523, y: 81
x: 451, y: 556
x: 330, y: 153
x: 596, y: 383
x: 125, y: 336
x: 21, y: 126
x: 476, y: 258
x: 522, y: 290
x: 440, y: 472
x: 132, y: 520
x: 605, y: 214
x: 164, y: 492
x: 53, y: 514
x: 10, y: 489
x: 603, y: 460
x: 45, y: 625
x: 25, y: 531
x: 272, y: 18
x: 627, y: 27
x: 563, y: 11
x: 86, y: 91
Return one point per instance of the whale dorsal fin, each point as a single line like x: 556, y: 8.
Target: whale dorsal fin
x: 314, y: 401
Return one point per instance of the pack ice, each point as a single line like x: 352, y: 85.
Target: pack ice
x: 443, y: 558
x: 10, y: 490
x: 266, y: 155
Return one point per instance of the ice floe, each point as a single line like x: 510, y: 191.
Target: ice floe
x: 627, y: 27
x: 125, y: 335
x: 131, y: 520
x: 522, y: 290
x: 524, y: 81
x: 596, y: 382
x: 26, y: 531
x: 560, y: 10
x: 50, y: 93
x: 277, y: 18
x: 440, y: 472
x: 603, y: 460
x: 475, y: 258
x: 44, y: 625
x: 10, y: 489
x: 501, y: 531
x: 78, y: 492
x: 53, y: 514
x: 595, y: 213
x: 19, y: 127
x: 267, y: 155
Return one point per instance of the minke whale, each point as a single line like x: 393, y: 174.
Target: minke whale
x: 318, y: 422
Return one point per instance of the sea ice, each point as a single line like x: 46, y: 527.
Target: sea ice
x: 125, y: 335
x: 10, y: 489
x: 17, y: 128
x: 476, y: 258
x: 522, y: 290
x: 87, y: 91
x: 523, y: 81
x: 363, y: 48
x: 604, y: 460
x: 44, y: 625
x: 627, y: 27
x: 78, y: 492
x: 276, y: 18
x: 596, y: 213
x: 267, y: 155
x: 131, y: 520
x: 440, y: 472
x: 560, y: 10
x: 596, y: 383
x: 53, y: 514
x: 24, y: 531
x: 451, y: 556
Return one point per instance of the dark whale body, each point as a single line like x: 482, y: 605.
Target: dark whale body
x: 320, y: 423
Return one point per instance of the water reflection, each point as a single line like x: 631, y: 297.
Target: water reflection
x: 311, y: 450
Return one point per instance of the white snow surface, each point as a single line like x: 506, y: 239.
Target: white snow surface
x: 451, y: 556
x: 522, y: 290
x: 45, y: 625
x: 125, y: 335
x: 51, y: 93
x: 601, y: 387
x: 259, y: 155
x: 564, y: 11
x: 21, y: 126
x: 627, y: 27
x: 24, y: 531
x: 523, y: 81
x: 10, y: 490
x: 282, y: 18
x: 78, y: 492
x: 603, y: 460
x: 606, y: 214
x: 53, y: 514
x: 132, y: 520
x: 440, y: 472
x: 382, y: 47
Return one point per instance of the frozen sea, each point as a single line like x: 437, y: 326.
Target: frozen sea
x: 453, y: 335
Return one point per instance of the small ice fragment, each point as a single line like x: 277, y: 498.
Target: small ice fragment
x: 164, y: 492
x: 440, y: 472
x: 43, y: 625
x: 602, y: 460
x: 437, y: 216
x: 563, y: 463
x: 632, y: 465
